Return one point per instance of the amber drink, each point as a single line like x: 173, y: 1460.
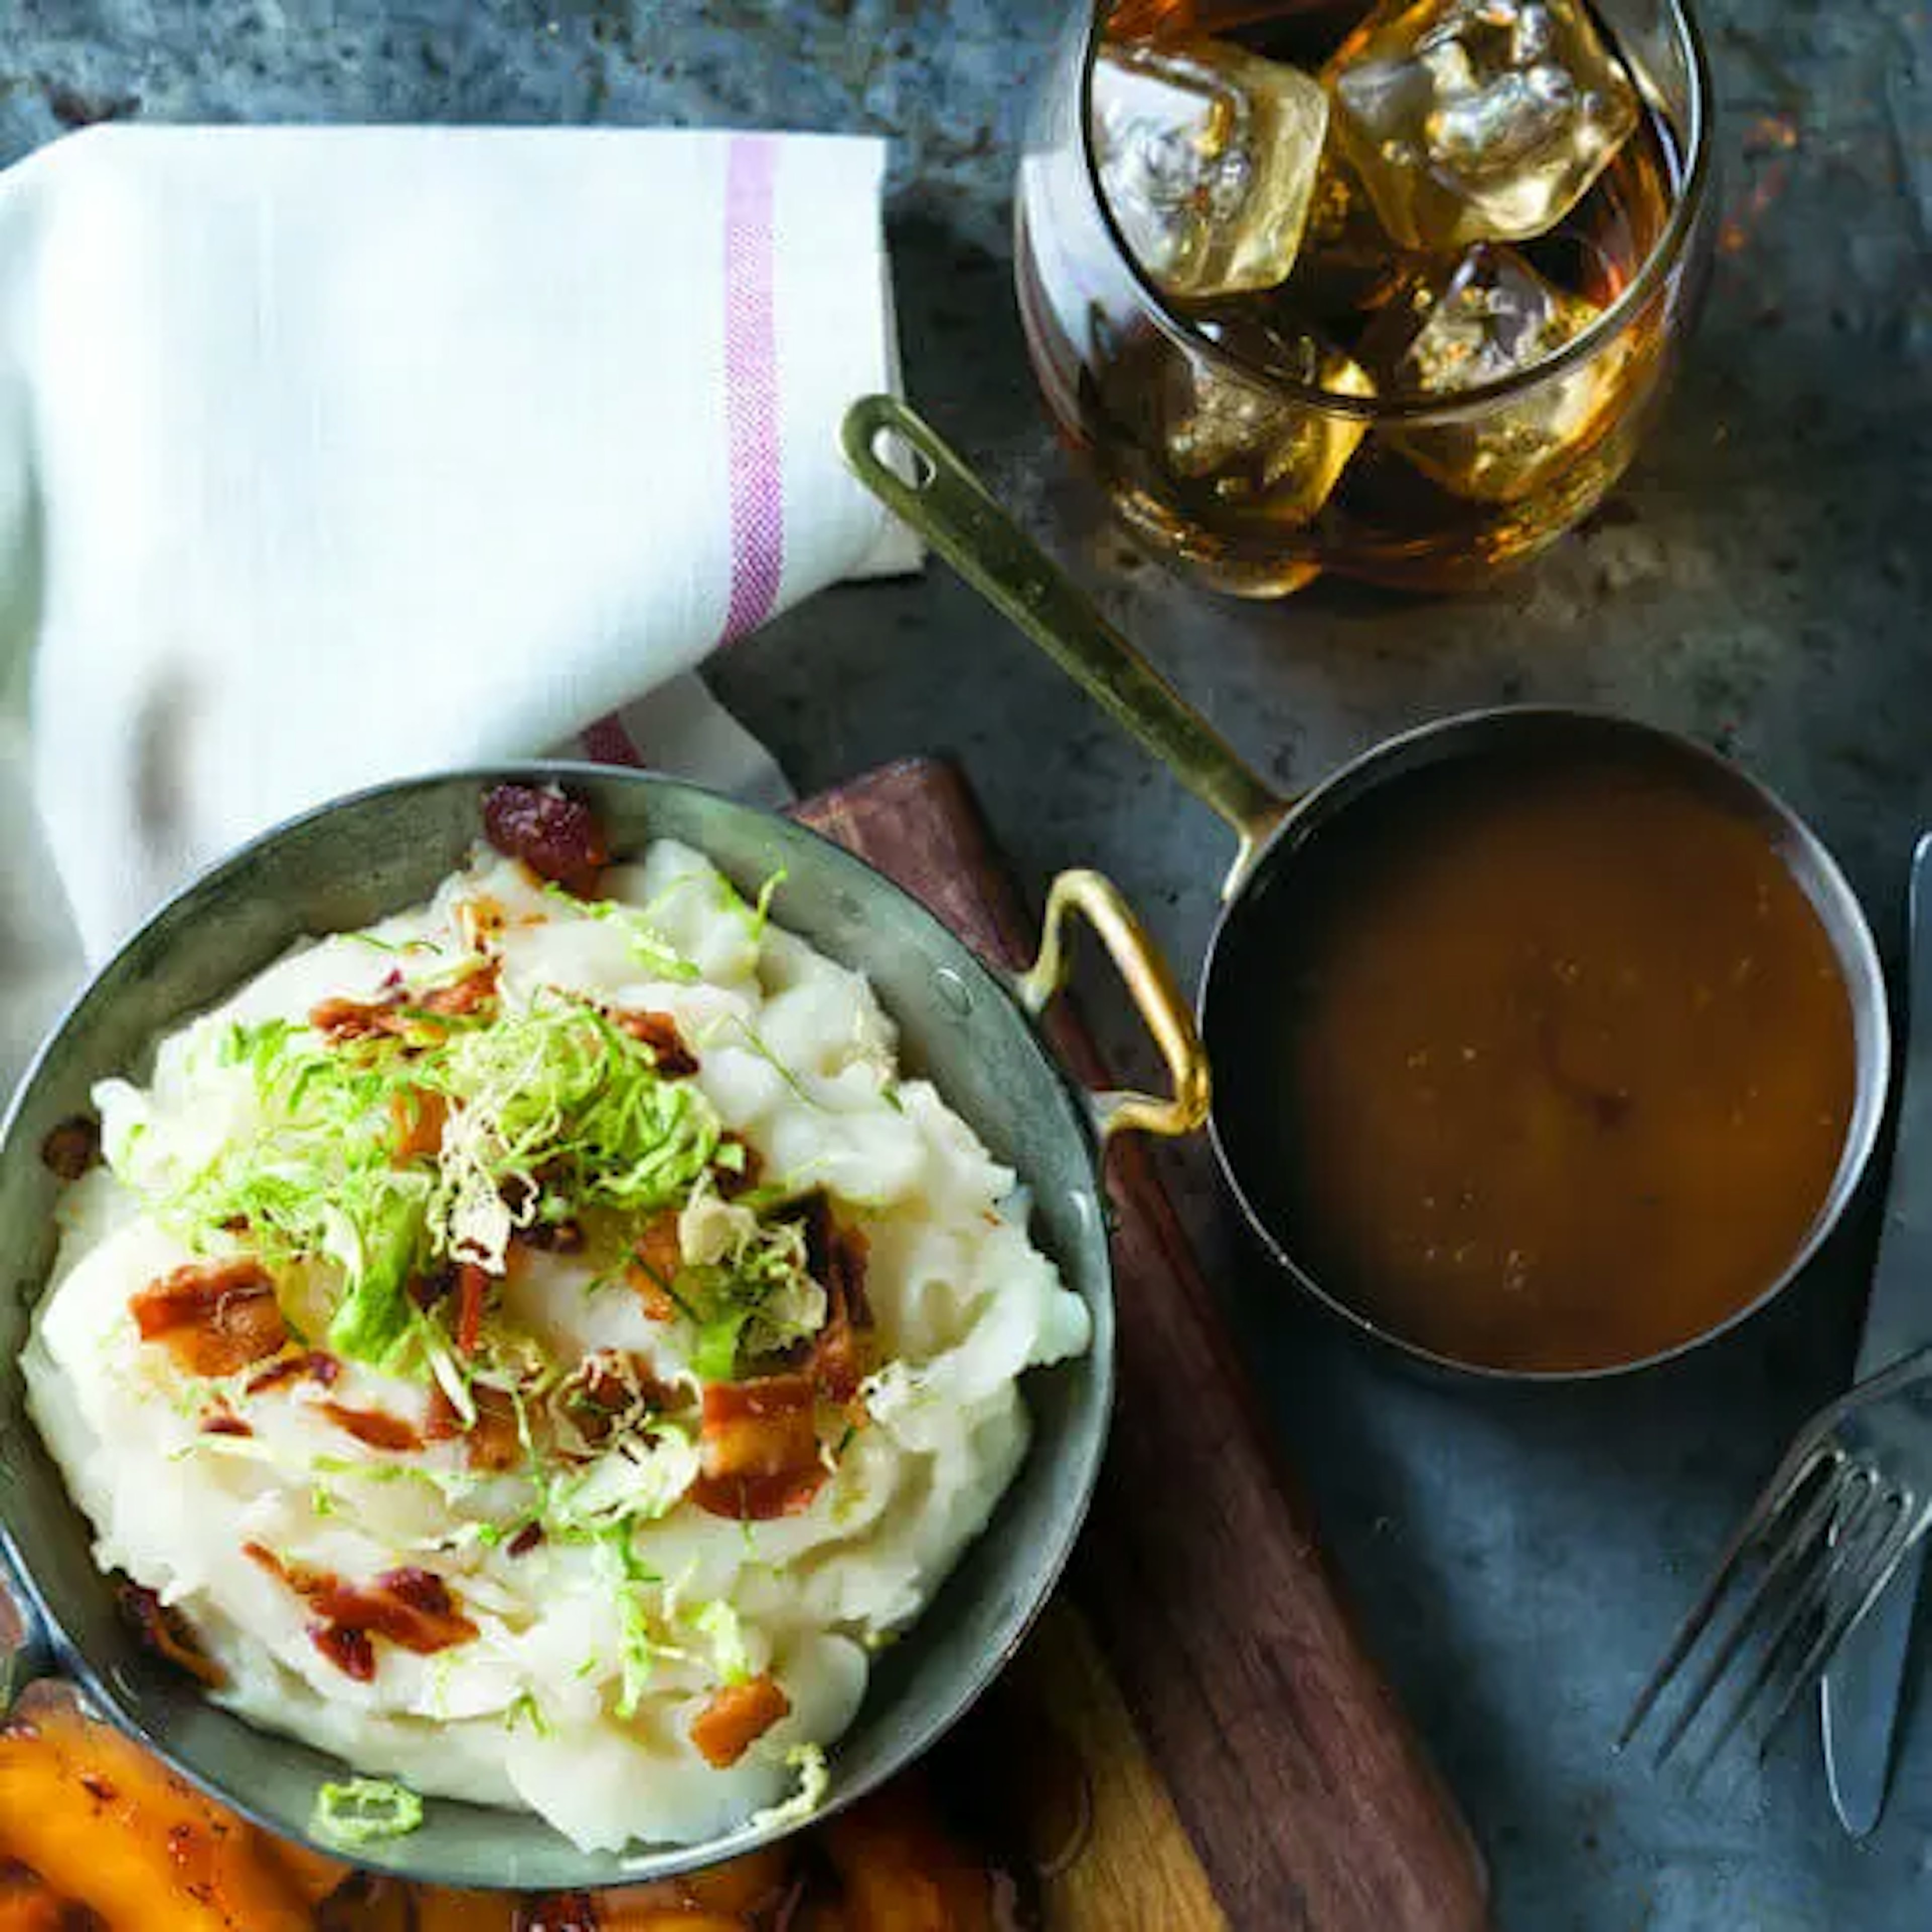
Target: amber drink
x: 1386, y: 290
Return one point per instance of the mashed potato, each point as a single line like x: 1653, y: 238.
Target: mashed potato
x: 540, y: 1346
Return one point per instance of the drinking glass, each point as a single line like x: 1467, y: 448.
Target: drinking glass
x: 1251, y: 440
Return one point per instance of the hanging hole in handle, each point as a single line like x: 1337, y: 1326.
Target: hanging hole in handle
x: 904, y: 458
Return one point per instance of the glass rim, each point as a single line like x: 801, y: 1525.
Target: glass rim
x: 1581, y: 347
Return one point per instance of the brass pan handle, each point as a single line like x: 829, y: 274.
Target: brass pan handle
x: 1152, y: 987
x: 939, y: 497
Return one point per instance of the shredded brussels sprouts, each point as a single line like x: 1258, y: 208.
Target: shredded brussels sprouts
x: 365, y: 1810
x: 552, y: 1106
x: 814, y: 1780
x: 647, y: 946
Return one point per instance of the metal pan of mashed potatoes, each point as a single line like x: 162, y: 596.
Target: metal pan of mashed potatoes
x: 591, y: 1346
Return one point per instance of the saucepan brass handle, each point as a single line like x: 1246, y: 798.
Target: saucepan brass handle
x: 939, y: 497
x: 1151, y: 985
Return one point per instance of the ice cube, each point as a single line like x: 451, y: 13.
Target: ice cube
x: 1493, y: 317
x: 1255, y: 449
x: 1477, y: 120
x: 1207, y: 156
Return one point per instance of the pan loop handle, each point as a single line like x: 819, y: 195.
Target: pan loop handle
x: 1150, y: 985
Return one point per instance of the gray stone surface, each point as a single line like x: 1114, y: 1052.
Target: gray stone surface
x: 1764, y: 584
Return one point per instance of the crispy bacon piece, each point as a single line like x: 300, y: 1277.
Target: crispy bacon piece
x: 399, y: 1012
x: 835, y: 1258
x: 493, y: 1442
x: 216, y: 1317
x: 473, y: 1285
x: 851, y: 1252
x: 759, y: 1448
x: 761, y: 1427
x: 317, y: 1364
x: 410, y: 1607
x: 160, y: 1627
x: 374, y: 1426
x: 496, y: 1444
x: 426, y: 1598
x: 737, y: 1716
x: 732, y: 1182
x: 658, y: 1306
x: 475, y: 990
x: 72, y: 1147
x: 339, y: 1020
x: 656, y: 1256
x: 224, y: 1422
x: 348, y: 1648
x: 659, y: 1031
x: 558, y: 837
x: 435, y: 1284
x: 602, y: 1384
x: 606, y: 1383
x: 525, y: 1540
x: 416, y: 1122
x: 441, y: 1423
x: 611, y: 1381
x: 838, y: 1360
x: 814, y: 1215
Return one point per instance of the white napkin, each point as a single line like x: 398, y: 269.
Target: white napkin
x: 331, y: 455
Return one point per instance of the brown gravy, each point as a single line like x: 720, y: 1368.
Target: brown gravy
x: 1563, y: 1060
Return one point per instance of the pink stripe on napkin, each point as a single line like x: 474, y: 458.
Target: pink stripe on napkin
x: 751, y: 385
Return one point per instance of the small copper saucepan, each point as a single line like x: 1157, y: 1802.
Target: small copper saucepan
x: 1283, y: 843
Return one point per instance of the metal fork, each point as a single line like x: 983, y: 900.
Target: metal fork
x: 1828, y: 1532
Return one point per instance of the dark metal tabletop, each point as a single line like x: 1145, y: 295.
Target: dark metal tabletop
x: 1763, y: 579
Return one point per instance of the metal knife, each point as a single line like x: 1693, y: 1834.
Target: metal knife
x: 1859, y: 1698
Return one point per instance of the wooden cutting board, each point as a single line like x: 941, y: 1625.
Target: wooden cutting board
x: 1196, y: 1738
